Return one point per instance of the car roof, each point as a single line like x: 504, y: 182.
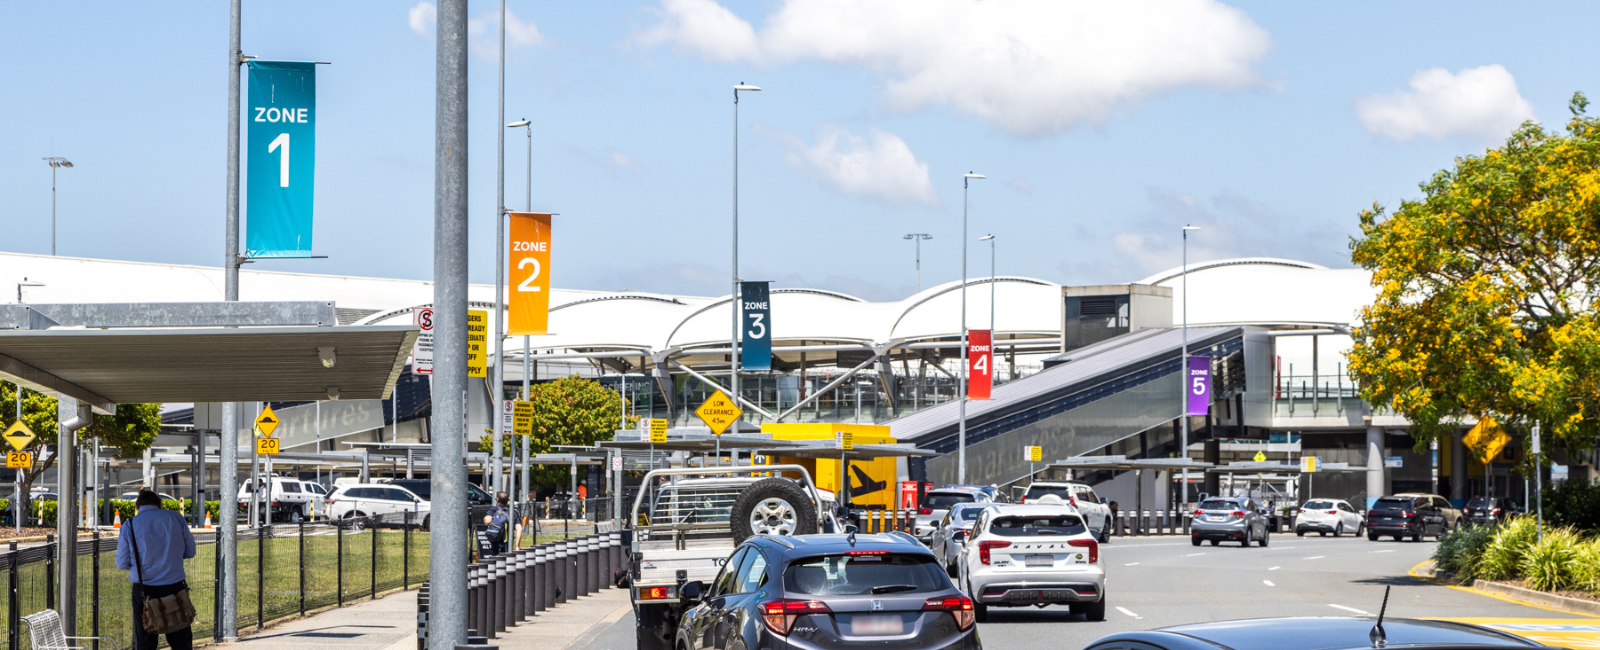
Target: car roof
x: 1001, y: 510
x: 1058, y: 483
x: 834, y: 543
x: 1321, y: 633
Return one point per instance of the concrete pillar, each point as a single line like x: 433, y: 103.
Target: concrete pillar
x: 1459, y: 482
x: 1377, y: 476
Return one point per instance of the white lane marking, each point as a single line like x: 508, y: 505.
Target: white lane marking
x: 1388, y: 551
x: 1194, y: 554
x: 1316, y: 557
x: 1130, y: 564
x: 1350, y: 609
x: 1125, y: 611
x: 1268, y: 583
x: 1272, y: 568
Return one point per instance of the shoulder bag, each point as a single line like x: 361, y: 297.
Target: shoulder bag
x: 166, y: 614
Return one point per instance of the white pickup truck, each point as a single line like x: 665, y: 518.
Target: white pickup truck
x: 686, y: 522
x: 1096, y: 512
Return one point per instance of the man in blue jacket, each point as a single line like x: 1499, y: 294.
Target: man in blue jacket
x: 164, y: 543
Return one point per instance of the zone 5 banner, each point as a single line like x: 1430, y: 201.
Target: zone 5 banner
x: 980, y: 365
x: 281, y: 154
x: 530, y: 274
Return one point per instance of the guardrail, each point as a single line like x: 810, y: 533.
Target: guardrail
x: 507, y: 589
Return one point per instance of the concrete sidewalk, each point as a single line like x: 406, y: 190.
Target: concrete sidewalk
x: 564, y: 625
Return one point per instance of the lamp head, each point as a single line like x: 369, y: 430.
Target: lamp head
x: 972, y: 175
x: 518, y: 124
x: 746, y: 87
x: 55, y: 161
x: 1191, y: 227
x: 986, y: 238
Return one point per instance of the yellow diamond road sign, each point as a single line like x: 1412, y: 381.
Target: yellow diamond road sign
x: 719, y: 412
x: 1486, y: 440
x: 1261, y: 457
x: 19, y: 435
x: 267, y: 422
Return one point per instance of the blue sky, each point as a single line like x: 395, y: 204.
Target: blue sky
x: 1102, y: 129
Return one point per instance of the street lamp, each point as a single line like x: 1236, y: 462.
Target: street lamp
x: 918, y: 237
x: 990, y: 239
x: 961, y: 454
x: 522, y: 490
x: 1183, y: 367
x: 733, y: 341
x: 55, y: 163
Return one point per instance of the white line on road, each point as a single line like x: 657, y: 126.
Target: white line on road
x: 1194, y: 554
x: 1268, y: 583
x: 1272, y: 568
x: 1316, y: 557
x: 1350, y: 609
x: 1125, y: 611
x: 1388, y: 551
x: 1130, y: 564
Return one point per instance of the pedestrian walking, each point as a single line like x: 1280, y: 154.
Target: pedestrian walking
x: 151, y: 548
x: 498, y: 520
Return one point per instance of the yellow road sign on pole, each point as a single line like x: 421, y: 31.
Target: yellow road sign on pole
x: 19, y: 435
x: 1035, y: 454
x: 267, y: 446
x: 1486, y: 440
x: 719, y: 412
x: 1310, y: 464
x: 847, y: 440
x: 522, y: 418
x: 267, y: 422
x: 658, y: 430
x: 1261, y: 457
x: 19, y: 460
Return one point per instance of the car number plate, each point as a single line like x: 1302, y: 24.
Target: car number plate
x: 877, y: 625
x: 1041, y: 560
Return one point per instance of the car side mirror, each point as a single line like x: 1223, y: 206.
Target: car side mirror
x: 692, y: 592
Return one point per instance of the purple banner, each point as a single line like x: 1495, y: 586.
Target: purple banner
x: 1197, y: 385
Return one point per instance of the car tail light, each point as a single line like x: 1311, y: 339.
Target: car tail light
x: 1301, y: 511
x: 1073, y: 501
x: 1408, y: 515
x: 655, y: 593
x: 1093, y: 546
x: 1024, y: 499
x: 987, y: 545
x: 868, y: 553
x: 958, y: 606
x: 1333, y: 512
x: 779, y: 615
x: 924, y: 510
x: 1197, y: 513
x: 1238, y: 513
x: 1497, y: 511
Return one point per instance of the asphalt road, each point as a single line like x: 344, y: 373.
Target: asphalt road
x: 1156, y: 582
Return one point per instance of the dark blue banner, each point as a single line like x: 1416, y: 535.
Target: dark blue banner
x: 280, y: 154
x: 756, y: 353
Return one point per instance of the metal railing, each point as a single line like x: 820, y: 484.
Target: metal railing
x: 284, y: 571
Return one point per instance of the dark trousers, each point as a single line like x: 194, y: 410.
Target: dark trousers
x: 181, y: 640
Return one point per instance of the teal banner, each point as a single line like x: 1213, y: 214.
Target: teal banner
x: 756, y: 306
x: 281, y: 154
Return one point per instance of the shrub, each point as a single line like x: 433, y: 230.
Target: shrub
x: 1573, y: 503
x: 1586, y: 565
x: 1502, y: 559
x: 1550, y: 564
x: 1460, y: 550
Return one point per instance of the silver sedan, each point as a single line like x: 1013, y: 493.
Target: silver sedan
x: 952, y: 534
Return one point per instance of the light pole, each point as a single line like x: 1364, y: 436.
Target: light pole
x: 917, y: 237
x: 994, y: 336
x: 961, y: 451
x: 498, y: 394
x: 522, y: 488
x: 55, y: 163
x: 733, y: 341
x: 1183, y: 369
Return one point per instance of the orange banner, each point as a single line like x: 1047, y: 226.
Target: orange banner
x: 530, y: 274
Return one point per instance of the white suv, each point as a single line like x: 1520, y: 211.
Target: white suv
x: 368, y: 499
x: 1096, y: 512
x: 288, y: 497
x: 1021, y: 555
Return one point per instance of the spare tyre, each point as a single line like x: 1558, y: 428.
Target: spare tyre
x: 773, y: 506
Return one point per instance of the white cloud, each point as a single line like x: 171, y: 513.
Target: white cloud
x: 483, y: 32
x: 1031, y: 67
x: 1021, y: 185
x: 702, y: 28
x: 621, y: 162
x: 883, y: 169
x: 1479, y: 102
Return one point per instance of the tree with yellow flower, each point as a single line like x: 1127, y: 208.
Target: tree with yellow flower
x: 1488, y: 288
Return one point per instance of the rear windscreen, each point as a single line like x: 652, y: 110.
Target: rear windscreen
x: 1479, y: 502
x: 1218, y: 504
x: 1037, y: 491
x: 850, y: 575
x: 1391, y: 503
x: 944, y: 501
x: 1318, y: 505
x: 1032, y: 525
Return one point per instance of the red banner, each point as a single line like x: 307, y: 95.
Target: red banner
x: 980, y: 364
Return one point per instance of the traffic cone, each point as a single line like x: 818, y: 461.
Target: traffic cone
x: 208, y: 521
x: 116, y: 521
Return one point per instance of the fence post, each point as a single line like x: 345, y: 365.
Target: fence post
x: 50, y: 572
x: 94, y: 589
x: 14, y: 615
x: 216, y: 585
x: 261, y: 573
x: 374, y: 562
x: 302, y: 568
x: 338, y: 532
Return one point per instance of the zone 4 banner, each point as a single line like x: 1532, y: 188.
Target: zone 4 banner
x: 980, y: 364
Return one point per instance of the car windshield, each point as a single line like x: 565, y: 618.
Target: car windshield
x: 1392, y: 503
x: 943, y: 500
x: 870, y: 572
x: 1319, y: 505
x: 1036, y: 491
x: 1034, y: 525
x: 1219, y: 504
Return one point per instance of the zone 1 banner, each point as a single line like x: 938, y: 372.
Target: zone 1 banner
x: 756, y: 309
x: 530, y: 274
x: 281, y: 154
x: 980, y: 364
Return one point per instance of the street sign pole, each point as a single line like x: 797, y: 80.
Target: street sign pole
x: 1538, y: 480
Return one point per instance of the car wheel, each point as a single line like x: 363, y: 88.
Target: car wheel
x: 426, y: 520
x: 1399, y: 538
x: 1322, y: 533
x: 1215, y: 542
x: 355, y: 520
x: 1195, y: 540
x: 1095, y: 611
x: 773, y: 506
x: 980, y: 612
x: 1249, y: 536
x: 1105, y: 531
x: 1300, y: 532
x: 1338, y: 531
x: 1416, y: 536
x: 1360, y: 527
x: 1371, y: 536
x: 1266, y: 537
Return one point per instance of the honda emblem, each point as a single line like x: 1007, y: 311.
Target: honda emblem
x: 877, y: 605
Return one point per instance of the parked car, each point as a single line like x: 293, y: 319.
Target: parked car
x: 319, y: 496
x: 828, y: 591
x: 1403, y: 516
x: 1033, y: 555
x: 1234, y: 519
x: 1327, y: 516
x: 375, y: 499
x: 1096, y: 511
x: 1329, y: 632
x: 936, y: 502
x: 286, y: 500
x: 1487, y: 510
x: 1452, y: 515
x: 424, y: 488
x: 996, y: 495
x: 952, y: 533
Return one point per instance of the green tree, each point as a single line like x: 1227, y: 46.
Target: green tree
x: 568, y: 411
x: 132, y: 430
x: 1487, y: 290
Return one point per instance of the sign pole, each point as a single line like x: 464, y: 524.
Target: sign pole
x: 1538, y: 479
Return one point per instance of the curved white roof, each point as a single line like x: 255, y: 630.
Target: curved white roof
x: 1268, y: 291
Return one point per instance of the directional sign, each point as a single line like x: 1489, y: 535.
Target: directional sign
x: 522, y: 418
x: 267, y: 422
x: 1034, y: 453
x: 719, y: 412
x: 847, y: 440
x: 422, y: 352
x: 658, y: 430
x: 477, y: 343
x: 267, y: 446
x: 18, y: 460
x: 1486, y: 440
x: 19, y: 435
x: 1261, y: 457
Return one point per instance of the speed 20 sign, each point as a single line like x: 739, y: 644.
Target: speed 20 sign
x: 280, y: 152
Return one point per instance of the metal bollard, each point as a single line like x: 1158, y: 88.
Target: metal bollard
x: 613, y: 544
x: 474, y: 606
x: 422, y: 617
x: 587, y: 573
x: 571, y: 566
x: 552, y: 581
x: 476, y: 646
x: 580, y: 566
x: 524, y: 562
x: 528, y: 582
x: 541, y: 571
x: 563, y: 572
x: 501, y: 590
x: 514, y: 588
x: 594, y: 564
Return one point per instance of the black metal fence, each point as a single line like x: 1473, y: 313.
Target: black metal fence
x: 283, y: 571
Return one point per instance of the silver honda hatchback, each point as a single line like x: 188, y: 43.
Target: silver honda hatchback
x: 1234, y: 519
